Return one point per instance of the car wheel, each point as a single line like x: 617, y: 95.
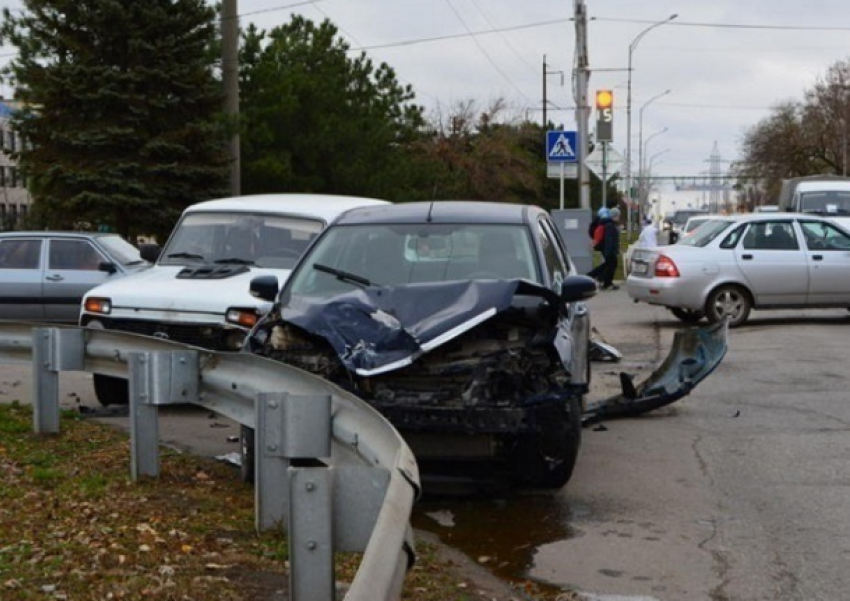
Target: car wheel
x: 110, y: 390
x: 728, y: 302
x: 551, y: 455
x: 246, y: 454
x: 687, y: 315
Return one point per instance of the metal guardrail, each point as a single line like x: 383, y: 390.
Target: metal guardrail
x: 358, y: 496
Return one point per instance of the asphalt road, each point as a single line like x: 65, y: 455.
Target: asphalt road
x: 738, y: 492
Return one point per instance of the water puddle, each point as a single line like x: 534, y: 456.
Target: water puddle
x: 501, y: 534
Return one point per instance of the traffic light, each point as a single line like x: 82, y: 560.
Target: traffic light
x: 604, y: 115
x: 604, y: 99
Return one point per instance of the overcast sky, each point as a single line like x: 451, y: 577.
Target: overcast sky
x: 725, y: 62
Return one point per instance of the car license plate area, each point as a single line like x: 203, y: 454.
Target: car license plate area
x: 639, y: 267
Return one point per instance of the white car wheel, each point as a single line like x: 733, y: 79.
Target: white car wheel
x: 728, y: 302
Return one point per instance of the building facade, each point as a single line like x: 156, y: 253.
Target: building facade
x: 15, y: 201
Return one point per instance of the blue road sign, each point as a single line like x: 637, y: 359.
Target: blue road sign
x: 561, y: 147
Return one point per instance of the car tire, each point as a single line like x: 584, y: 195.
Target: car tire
x: 110, y: 390
x: 552, y: 454
x: 246, y: 454
x: 728, y: 302
x: 687, y: 315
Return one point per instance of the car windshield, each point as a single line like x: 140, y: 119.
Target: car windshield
x: 239, y: 238
x: 120, y: 250
x: 704, y: 234
x: 833, y: 202
x: 353, y: 256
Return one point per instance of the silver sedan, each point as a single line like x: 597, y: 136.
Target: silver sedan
x: 731, y: 265
x: 43, y: 275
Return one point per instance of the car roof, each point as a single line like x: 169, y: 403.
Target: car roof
x: 49, y: 233
x: 444, y: 211
x: 325, y: 207
x: 774, y: 216
x: 825, y: 186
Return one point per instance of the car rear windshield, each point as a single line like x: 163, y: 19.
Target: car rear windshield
x: 833, y: 202
x: 704, y: 234
x: 120, y: 250
x: 263, y: 240
x: 382, y: 254
x: 681, y: 217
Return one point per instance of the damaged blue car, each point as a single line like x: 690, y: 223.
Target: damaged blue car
x: 461, y: 322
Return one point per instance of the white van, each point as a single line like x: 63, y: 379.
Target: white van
x: 830, y: 199
x: 198, y: 290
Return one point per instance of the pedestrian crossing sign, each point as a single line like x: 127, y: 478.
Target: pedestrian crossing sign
x: 561, y: 147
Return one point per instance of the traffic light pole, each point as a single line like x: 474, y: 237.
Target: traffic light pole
x: 604, y: 174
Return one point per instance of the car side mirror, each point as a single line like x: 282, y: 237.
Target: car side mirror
x: 577, y: 288
x: 265, y: 287
x: 107, y: 267
x: 150, y: 252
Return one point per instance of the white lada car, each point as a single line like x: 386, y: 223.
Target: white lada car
x: 197, y: 292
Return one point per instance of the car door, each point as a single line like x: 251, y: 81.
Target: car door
x: 21, y: 279
x: 829, y: 259
x: 773, y: 263
x: 71, y: 271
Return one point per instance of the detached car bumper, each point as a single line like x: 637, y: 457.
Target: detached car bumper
x: 696, y: 352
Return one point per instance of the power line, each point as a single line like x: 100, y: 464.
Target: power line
x: 451, y: 36
x: 505, y: 39
x: 485, y: 53
x: 678, y: 23
x: 279, y: 8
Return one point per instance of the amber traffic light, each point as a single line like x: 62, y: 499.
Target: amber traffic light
x: 604, y: 99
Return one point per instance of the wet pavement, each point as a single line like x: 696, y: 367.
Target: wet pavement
x: 509, y: 534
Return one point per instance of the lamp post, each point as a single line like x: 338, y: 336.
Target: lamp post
x: 652, y: 159
x: 632, y: 47
x: 641, y: 169
x: 640, y: 139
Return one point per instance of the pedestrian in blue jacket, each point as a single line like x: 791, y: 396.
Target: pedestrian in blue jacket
x: 604, y: 272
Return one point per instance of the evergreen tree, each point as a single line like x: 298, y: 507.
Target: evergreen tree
x: 317, y: 120
x: 121, y: 110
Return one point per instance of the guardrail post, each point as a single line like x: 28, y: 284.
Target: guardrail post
x: 311, y: 549
x: 297, y: 427
x: 53, y: 350
x: 159, y: 378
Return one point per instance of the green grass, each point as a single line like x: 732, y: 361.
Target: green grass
x: 74, y: 523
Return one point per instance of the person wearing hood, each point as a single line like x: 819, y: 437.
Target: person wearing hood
x: 610, y: 248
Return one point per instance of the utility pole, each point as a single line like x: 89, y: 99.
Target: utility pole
x: 230, y: 78
x: 546, y: 72
x: 581, y: 81
x: 545, y: 120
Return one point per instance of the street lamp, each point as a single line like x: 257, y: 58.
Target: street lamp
x: 632, y: 47
x: 641, y: 169
x: 652, y: 159
x: 640, y: 128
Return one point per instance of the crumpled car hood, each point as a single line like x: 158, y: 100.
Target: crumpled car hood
x: 380, y: 329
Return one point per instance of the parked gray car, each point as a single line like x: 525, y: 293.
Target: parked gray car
x: 731, y: 265
x: 44, y: 275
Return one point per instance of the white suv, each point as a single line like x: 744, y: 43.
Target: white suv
x: 197, y: 292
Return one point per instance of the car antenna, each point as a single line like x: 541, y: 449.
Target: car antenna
x: 429, y: 219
